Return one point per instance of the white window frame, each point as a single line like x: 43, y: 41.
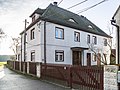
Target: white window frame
x: 59, y: 56
x: 59, y: 33
x: 94, y: 40
x: 94, y: 57
x: 33, y: 55
x: 32, y: 34
x: 76, y: 36
x: 88, y: 38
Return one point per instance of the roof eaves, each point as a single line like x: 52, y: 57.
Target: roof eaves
x: 30, y: 26
x: 116, y: 11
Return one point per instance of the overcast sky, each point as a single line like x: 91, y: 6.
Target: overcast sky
x: 14, y: 12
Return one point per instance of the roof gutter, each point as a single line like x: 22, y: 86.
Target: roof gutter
x: 113, y: 22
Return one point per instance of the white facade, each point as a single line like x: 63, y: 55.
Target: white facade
x: 65, y: 44
x: 116, y: 17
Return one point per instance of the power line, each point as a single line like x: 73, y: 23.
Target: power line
x: 91, y: 6
x: 77, y: 4
x: 74, y: 6
x: 60, y: 2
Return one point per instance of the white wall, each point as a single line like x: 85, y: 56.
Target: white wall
x: 117, y: 18
x: 68, y: 42
x: 53, y: 44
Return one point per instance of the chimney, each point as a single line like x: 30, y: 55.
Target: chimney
x: 55, y: 3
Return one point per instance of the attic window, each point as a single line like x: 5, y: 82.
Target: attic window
x: 90, y: 27
x: 72, y: 20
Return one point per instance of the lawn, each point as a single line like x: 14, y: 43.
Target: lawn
x: 2, y: 63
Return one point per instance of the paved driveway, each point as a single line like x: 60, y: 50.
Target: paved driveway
x: 14, y: 81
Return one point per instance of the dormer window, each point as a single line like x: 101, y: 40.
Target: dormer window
x: 90, y: 27
x: 33, y: 18
x: 72, y: 20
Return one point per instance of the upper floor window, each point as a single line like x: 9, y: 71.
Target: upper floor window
x: 33, y: 56
x: 76, y: 36
x: 33, y: 18
x: 105, y: 42
x: 88, y: 38
x: 94, y: 40
x: 59, y: 33
x: 32, y: 35
x: 59, y: 55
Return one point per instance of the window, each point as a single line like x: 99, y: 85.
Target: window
x: 94, y: 40
x: 32, y: 35
x: 33, y: 56
x: 33, y: 18
x: 76, y: 36
x: 105, y: 42
x: 72, y: 20
x: 88, y: 38
x: 94, y: 57
x: 59, y: 55
x: 59, y: 33
x: 18, y: 57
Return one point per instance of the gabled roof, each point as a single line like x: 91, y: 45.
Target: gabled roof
x: 116, y: 11
x: 38, y: 11
x: 64, y: 17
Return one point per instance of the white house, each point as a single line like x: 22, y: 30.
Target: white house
x: 59, y: 36
x: 116, y: 22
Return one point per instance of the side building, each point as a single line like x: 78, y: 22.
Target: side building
x: 59, y: 36
x: 116, y: 22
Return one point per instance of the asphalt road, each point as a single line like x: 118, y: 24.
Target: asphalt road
x: 14, y: 81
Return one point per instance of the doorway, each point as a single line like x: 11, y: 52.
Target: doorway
x: 77, y: 58
x: 88, y: 59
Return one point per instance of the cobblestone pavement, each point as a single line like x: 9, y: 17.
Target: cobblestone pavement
x: 14, y: 81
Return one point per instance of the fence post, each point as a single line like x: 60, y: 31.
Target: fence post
x: 23, y: 67
x: 70, y: 76
x: 38, y: 69
x: 101, y: 78
x: 28, y: 67
x: 19, y: 65
x: 14, y: 65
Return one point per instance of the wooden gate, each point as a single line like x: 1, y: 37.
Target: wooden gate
x: 84, y: 77
x: 89, y: 78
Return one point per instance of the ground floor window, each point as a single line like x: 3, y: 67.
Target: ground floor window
x: 32, y: 55
x: 94, y: 57
x: 59, y: 55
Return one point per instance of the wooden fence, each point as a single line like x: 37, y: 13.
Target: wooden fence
x: 32, y: 68
x: 86, y: 78
x: 26, y: 67
x: 82, y: 77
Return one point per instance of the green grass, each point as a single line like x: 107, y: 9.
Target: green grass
x: 2, y: 63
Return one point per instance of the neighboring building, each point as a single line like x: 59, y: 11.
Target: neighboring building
x: 116, y: 19
x: 61, y: 37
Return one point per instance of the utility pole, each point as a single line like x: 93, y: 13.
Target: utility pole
x: 25, y: 40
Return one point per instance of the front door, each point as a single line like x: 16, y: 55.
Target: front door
x: 77, y: 58
x: 88, y: 59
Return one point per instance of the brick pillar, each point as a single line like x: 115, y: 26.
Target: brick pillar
x: 38, y: 71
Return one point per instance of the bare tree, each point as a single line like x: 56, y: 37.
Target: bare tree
x: 15, y: 44
x: 2, y: 34
x: 102, y: 57
x: 96, y: 50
